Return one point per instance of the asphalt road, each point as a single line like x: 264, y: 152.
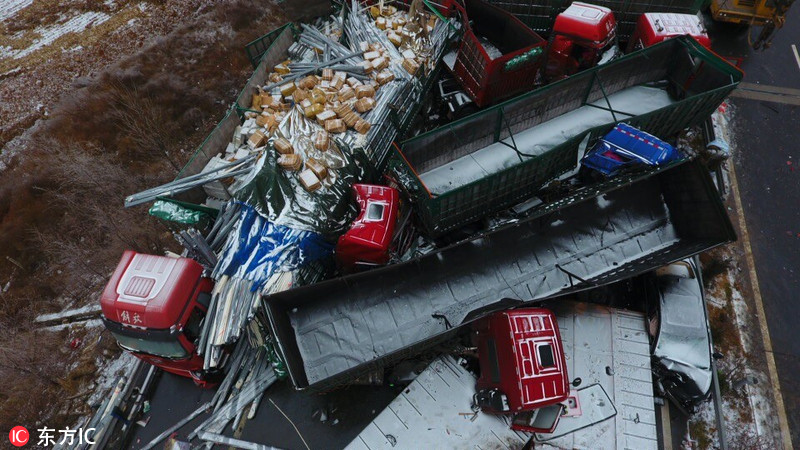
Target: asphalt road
x: 348, y: 411
x: 767, y: 163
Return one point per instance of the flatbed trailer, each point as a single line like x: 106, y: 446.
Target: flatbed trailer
x: 604, y: 347
x: 331, y: 332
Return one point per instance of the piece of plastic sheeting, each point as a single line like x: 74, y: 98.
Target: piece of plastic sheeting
x: 278, y: 194
x: 258, y: 248
x: 176, y: 213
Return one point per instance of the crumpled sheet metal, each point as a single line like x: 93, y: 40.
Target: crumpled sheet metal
x: 257, y: 249
x: 279, y: 196
x: 355, y: 323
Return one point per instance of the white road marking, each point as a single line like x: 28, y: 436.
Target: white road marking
x: 796, y: 56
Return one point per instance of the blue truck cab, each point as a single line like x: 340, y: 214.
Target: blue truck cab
x: 626, y: 146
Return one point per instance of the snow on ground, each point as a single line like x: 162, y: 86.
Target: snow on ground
x: 49, y: 34
x: 92, y: 307
x: 10, y: 7
x: 93, y: 323
x: 108, y: 372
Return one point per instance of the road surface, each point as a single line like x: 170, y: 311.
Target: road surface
x: 767, y: 164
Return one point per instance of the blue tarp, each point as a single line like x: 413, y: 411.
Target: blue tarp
x: 258, y: 248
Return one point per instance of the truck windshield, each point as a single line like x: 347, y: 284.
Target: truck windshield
x: 164, y: 348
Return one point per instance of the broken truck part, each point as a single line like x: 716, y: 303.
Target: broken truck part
x: 611, y: 407
x: 333, y: 331
x: 468, y: 169
x: 522, y: 366
x: 498, y: 56
x: 625, y: 147
x: 583, y: 36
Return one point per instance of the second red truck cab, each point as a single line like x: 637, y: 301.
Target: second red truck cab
x: 154, y: 306
x: 523, y: 368
x: 652, y: 28
x: 580, y: 37
x: 368, y: 241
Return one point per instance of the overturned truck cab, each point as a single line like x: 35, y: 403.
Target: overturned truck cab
x: 154, y: 307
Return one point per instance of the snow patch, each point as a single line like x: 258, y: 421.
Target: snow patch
x: 51, y: 33
x: 8, y: 8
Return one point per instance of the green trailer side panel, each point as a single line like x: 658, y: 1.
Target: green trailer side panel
x: 698, y: 82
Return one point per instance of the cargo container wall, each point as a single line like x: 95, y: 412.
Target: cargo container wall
x: 486, y: 162
x: 499, y: 56
x: 335, y: 330
x: 541, y: 15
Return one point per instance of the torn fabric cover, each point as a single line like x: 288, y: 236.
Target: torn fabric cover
x: 278, y: 194
x: 258, y: 248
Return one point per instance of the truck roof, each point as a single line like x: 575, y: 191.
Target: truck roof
x: 149, y: 291
x: 583, y: 20
x: 668, y: 25
x: 529, y: 356
x: 370, y: 235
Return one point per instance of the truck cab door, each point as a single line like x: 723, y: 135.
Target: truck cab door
x: 540, y: 420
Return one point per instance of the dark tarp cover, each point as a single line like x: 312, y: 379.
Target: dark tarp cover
x: 278, y: 195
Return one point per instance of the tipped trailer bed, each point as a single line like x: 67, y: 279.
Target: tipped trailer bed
x: 331, y: 332
x: 618, y: 410
x: 484, y: 163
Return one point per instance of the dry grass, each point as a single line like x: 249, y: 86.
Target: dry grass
x: 61, y: 218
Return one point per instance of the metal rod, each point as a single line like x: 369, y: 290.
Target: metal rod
x: 205, y: 407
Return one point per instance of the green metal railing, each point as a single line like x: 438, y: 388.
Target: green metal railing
x: 698, y: 79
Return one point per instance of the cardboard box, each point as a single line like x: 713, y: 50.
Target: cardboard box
x: 384, y: 77
x: 283, y: 146
x: 313, y: 110
x: 318, y: 96
x: 308, y: 82
x: 365, y: 104
x: 309, y: 180
x: 335, y: 126
x: 380, y: 63
x: 288, y: 88
x: 322, y: 140
x: 353, y: 82
x: 346, y: 93
x: 282, y: 69
x: 327, y: 74
x: 372, y: 55
x: 362, y: 126
x: 410, y: 65
x: 325, y: 115
x: 257, y: 139
x: 317, y: 167
x: 365, y: 91
x: 292, y: 162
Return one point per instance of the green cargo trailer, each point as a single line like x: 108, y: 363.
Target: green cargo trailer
x: 541, y: 15
x: 502, y: 155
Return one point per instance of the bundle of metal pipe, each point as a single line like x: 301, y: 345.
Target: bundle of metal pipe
x: 236, y: 168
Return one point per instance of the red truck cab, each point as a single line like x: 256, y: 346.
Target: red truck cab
x: 368, y: 241
x: 523, y: 368
x: 652, y: 28
x: 580, y: 37
x: 154, y: 306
